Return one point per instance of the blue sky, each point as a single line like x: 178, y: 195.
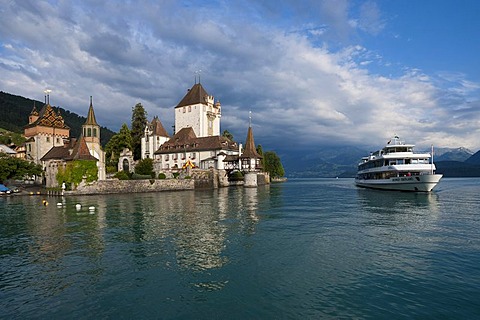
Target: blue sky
x: 313, y: 73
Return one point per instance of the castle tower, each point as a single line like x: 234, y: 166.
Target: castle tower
x: 45, y: 129
x: 91, y: 129
x: 199, y: 111
x: 91, y: 135
x: 33, y: 114
x: 154, y: 136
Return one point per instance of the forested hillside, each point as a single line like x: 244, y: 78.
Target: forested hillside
x: 14, y: 112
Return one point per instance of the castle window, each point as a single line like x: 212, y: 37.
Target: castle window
x: 166, y: 157
x: 95, y: 132
x: 58, y: 140
x: 89, y: 132
x: 189, y: 108
x: 184, y: 110
x: 48, y: 139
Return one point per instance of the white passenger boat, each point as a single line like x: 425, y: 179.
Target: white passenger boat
x: 397, y: 167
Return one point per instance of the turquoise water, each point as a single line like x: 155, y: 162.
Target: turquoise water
x: 305, y: 249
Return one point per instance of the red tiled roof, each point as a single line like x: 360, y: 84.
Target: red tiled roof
x: 79, y: 151
x: 185, y: 140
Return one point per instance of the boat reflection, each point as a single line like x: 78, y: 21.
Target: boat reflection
x: 395, y: 206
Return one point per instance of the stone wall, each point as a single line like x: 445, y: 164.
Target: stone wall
x: 263, y: 178
x: 134, y: 186
x: 199, y: 179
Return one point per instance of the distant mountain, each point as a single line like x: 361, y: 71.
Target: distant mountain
x: 452, y: 154
x: 326, y: 162
x: 474, y: 159
x: 329, y: 162
x: 457, y: 169
x: 14, y: 112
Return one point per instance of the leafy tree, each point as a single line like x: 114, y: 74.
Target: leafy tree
x: 145, y: 167
x: 273, y: 165
x: 139, y: 120
x: 117, y: 143
x: 15, y: 168
x: 76, y: 170
x: 227, y: 135
x: 8, y: 137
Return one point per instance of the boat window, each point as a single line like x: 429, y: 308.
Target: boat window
x: 399, y: 161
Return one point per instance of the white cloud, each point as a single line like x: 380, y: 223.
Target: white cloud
x: 301, y: 92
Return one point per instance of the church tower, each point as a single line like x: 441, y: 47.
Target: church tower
x: 91, y: 129
x: 91, y: 135
x: 199, y: 111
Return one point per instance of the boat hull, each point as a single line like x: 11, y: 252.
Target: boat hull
x: 421, y: 183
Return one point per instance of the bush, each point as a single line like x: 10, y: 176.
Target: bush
x: 236, y: 176
x: 137, y: 176
x: 188, y: 177
x: 162, y: 175
x: 176, y: 174
x: 111, y: 169
x: 145, y: 167
x: 122, y: 175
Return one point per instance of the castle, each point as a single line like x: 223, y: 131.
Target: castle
x: 49, y: 144
x: 197, y: 141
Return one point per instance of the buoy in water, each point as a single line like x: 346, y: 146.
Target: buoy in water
x: 78, y: 206
x: 45, y: 202
x: 59, y: 204
x: 91, y: 209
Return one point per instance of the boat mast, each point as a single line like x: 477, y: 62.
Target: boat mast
x: 432, y: 160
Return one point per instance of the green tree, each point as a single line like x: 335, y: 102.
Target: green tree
x: 260, y: 152
x: 227, y: 135
x: 15, y: 168
x: 145, y: 167
x: 139, y: 121
x: 116, y: 144
x: 273, y: 165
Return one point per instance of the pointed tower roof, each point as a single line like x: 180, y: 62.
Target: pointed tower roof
x: 250, y: 150
x: 34, y: 111
x: 195, y: 95
x: 157, y: 128
x: 91, y: 115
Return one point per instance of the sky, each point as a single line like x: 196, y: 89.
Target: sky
x: 313, y: 73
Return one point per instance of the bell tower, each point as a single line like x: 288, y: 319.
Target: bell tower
x: 91, y: 135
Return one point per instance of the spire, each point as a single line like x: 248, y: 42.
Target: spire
x: 34, y: 110
x: 91, y: 115
x: 250, y: 150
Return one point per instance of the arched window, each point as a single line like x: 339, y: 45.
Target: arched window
x: 95, y: 132
x: 126, y: 165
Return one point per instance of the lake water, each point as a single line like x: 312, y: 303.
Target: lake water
x: 304, y: 249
